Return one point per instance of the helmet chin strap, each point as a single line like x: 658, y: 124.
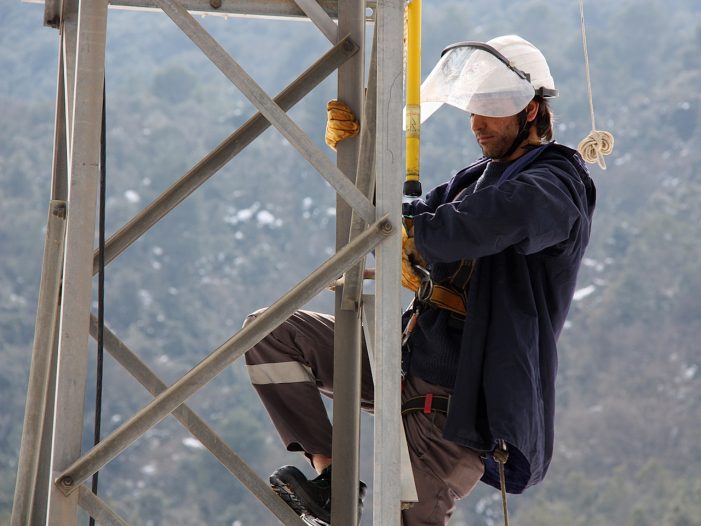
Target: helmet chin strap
x: 523, y: 131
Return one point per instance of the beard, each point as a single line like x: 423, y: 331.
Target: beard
x: 497, y: 149
x: 496, y: 143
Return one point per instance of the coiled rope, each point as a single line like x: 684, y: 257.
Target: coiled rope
x: 598, y: 143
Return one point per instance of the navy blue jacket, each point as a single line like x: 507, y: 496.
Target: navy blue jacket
x: 528, y: 233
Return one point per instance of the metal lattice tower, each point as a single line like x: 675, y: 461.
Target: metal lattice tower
x: 52, y: 469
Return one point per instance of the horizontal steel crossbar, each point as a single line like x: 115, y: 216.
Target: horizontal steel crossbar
x: 244, y: 8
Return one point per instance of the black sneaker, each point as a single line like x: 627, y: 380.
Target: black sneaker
x: 306, y: 497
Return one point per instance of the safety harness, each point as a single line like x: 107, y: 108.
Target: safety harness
x: 427, y: 404
x: 450, y: 295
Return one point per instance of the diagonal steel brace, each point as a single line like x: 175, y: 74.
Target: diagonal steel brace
x: 196, y: 426
x: 224, y: 152
x: 277, y: 117
x: 222, y: 357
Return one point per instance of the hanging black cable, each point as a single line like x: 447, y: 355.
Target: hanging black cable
x: 100, y: 289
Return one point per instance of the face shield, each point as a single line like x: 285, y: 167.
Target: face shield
x: 476, y: 78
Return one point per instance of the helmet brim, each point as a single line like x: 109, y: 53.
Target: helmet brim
x: 475, y: 81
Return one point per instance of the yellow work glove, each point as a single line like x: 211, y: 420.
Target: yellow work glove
x: 409, y: 246
x: 410, y: 278
x: 340, y: 123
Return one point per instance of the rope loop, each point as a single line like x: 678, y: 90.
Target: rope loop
x: 594, y: 146
x: 598, y: 143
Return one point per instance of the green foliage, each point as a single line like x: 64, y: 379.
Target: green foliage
x: 627, y: 450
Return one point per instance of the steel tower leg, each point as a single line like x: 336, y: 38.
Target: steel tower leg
x: 347, y: 334
x: 42, y: 403
x: 77, y: 268
x: 386, y: 501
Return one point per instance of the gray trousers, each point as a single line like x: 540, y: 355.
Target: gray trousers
x: 289, y: 369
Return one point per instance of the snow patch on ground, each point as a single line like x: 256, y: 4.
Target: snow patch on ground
x: 132, y: 196
x: 582, y: 293
x: 690, y: 372
x: 192, y: 443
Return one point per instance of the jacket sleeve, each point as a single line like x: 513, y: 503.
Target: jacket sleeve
x: 531, y: 212
x: 420, y: 206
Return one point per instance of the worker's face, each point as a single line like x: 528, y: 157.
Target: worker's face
x: 495, y: 135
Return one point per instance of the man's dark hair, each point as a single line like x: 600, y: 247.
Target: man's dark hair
x: 544, y: 120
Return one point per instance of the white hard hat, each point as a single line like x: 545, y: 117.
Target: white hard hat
x: 496, y: 79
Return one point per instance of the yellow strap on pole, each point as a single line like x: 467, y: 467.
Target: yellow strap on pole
x: 412, y: 184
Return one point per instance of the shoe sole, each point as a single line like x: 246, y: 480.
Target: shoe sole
x: 289, y: 491
x: 312, y: 521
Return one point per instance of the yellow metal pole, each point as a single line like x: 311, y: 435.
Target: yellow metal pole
x: 412, y: 184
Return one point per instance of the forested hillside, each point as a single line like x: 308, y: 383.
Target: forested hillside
x: 629, y: 385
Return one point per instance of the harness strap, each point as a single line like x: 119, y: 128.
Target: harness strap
x: 441, y: 296
x: 448, y: 299
x: 461, y: 277
x: 428, y: 403
x: 452, y: 295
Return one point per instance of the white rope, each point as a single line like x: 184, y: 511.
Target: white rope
x: 594, y: 146
x: 598, y: 143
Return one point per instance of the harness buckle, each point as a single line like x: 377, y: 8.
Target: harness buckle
x: 425, y: 291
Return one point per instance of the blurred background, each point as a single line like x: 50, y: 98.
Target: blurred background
x: 627, y: 451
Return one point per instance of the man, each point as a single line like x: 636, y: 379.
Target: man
x: 493, y: 256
